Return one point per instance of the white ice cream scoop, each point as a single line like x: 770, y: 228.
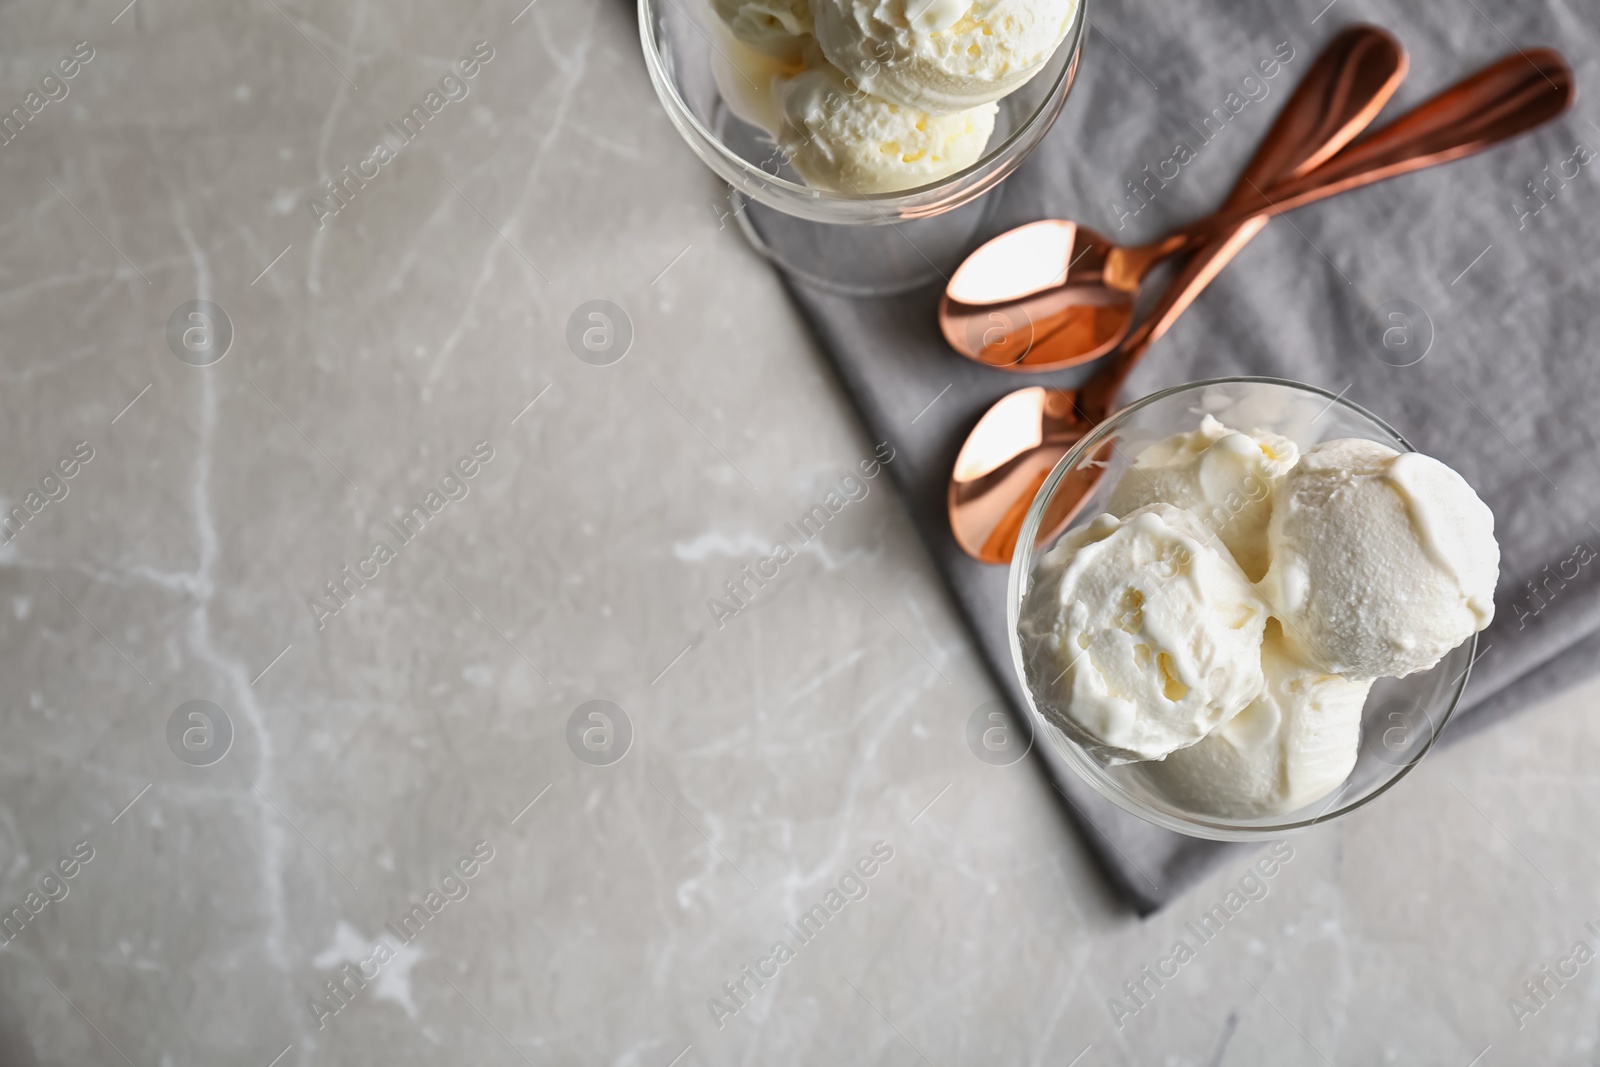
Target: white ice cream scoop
x: 1141, y: 634
x: 941, y: 56
x: 839, y: 137
x: 1223, y: 477
x: 1382, y: 561
x: 1293, y: 745
x: 775, y: 27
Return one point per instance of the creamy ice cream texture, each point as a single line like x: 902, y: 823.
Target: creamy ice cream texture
x: 855, y: 142
x: 1225, y: 478
x: 1372, y: 563
x: 773, y: 27
x: 1142, y: 634
x: 887, y: 95
x: 1382, y: 561
x: 941, y: 55
x: 1292, y: 745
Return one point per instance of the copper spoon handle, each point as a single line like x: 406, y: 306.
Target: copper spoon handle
x: 1503, y: 100
x: 1350, y: 82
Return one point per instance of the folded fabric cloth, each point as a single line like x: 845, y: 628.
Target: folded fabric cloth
x: 1495, y: 251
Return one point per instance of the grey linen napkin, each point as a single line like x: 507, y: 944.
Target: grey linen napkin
x: 1503, y: 270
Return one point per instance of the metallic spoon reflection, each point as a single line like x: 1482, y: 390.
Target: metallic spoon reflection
x: 1016, y: 444
x: 997, y: 475
x: 1054, y: 294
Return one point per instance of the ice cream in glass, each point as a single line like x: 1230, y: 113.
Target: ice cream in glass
x: 1224, y: 621
x: 879, y: 96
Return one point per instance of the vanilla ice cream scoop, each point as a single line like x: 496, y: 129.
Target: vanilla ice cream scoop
x: 776, y: 27
x: 941, y: 56
x: 843, y: 139
x: 1141, y: 634
x: 1223, y: 477
x: 1294, y: 744
x: 1382, y: 561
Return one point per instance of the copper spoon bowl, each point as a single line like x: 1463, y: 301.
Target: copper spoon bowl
x: 1000, y: 460
x: 1054, y: 294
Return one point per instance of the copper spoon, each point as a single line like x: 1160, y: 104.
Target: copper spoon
x: 1019, y: 440
x: 1053, y: 294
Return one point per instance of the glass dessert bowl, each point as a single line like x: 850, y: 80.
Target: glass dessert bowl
x: 716, y: 90
x: 1400, y: 718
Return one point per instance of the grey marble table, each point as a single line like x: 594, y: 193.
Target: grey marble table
x: 273, y: 795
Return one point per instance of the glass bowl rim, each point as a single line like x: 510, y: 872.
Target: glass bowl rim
x: 1074, y: 755
x: 997, y: 157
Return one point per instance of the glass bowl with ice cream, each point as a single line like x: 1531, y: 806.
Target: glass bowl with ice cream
x: 1263, y: 614
x: 832, y: 119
